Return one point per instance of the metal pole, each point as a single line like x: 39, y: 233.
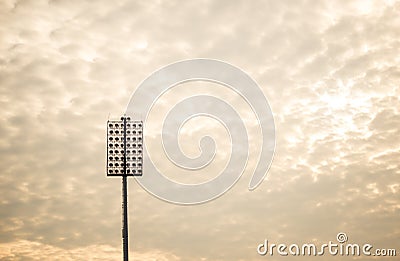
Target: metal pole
x: 125, y: 203
x: 125, y: 218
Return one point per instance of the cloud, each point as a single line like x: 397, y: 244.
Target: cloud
x: 28, y: 250
x: 329, y: 70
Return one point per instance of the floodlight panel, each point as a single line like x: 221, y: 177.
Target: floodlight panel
x: 116, y: 156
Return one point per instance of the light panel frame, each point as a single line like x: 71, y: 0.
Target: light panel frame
x: 124, y: 146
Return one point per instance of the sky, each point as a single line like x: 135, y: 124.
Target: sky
x: 329, y: 69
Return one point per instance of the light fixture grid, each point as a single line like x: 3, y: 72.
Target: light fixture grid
x: 116, y: 149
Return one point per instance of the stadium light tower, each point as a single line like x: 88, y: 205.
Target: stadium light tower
x: 124, y: 159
